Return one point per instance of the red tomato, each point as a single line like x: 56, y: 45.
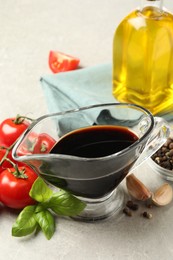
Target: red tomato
x: 59, y: 62
x: 36, y: 144
x: 14, y: 192
x: 44, y: 143
x: 10, y: 131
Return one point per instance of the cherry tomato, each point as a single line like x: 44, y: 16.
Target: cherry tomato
x: 10, y: 130
x: 36, y: 144
x: 44, y: 143
x: 14, y: 191
x: 59, y: 62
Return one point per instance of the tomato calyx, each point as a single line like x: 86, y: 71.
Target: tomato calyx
x: 20, y: 119
x: 43, y: 148
x: 20, y: 174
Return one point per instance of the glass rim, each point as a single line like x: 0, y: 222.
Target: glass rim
x: 76, y: 110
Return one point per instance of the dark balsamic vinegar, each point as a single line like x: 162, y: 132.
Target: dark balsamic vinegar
x: 95, y: 141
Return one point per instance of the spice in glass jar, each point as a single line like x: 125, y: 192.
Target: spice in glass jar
x: 164, y: 156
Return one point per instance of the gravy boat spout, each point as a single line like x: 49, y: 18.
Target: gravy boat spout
x: 88, y: 151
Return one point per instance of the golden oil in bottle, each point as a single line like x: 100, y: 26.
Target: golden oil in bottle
x: 143, y: 58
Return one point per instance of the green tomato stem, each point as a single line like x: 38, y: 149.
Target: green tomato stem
x: 19, y: 119
x: 8, y: 149
x: 4, y: 158
x: 17, y: 173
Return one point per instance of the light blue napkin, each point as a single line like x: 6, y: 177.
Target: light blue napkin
x: 82, y: 87
x: 78, y: 88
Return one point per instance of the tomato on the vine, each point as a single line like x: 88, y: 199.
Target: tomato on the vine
x: 5, y: 164
x: 36, y: 144
x: 14, y: 190
x: 11, y: 129
x: 4, y: 157
x: 44, y: 143
x: 60, y: 62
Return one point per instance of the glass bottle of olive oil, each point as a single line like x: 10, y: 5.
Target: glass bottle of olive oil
x: 143, y: 58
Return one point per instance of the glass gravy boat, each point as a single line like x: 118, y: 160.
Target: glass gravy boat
x: 94, y: 178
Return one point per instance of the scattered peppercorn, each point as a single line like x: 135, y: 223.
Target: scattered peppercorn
x: 149, y: 205
x: 146, y: 214
x: 127, y: 212
x: 131, y: 205
x: 164, y: 156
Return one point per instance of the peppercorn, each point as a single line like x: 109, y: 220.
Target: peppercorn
x: 149, y: 205
x: 131, y: 205
x: 146, y: 214
x: 127, y: 212
x: 164, y: 156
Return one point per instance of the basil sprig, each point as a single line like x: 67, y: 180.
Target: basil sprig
x: 42, y: 215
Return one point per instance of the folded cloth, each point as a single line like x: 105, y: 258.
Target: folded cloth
x: 82, y: 87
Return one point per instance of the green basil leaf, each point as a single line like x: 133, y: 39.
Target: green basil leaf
x: 25, y: 223
x: 40, y: 191
x: 47, y: 223
x: 63, y: 203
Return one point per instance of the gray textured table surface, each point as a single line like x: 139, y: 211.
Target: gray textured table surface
x: 29, y: 29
